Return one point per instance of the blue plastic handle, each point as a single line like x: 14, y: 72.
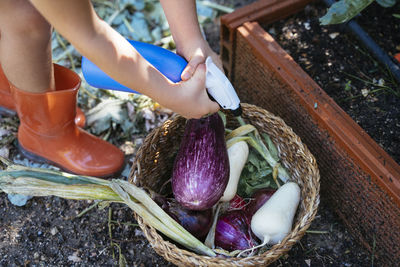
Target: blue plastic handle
x: 168, y: 63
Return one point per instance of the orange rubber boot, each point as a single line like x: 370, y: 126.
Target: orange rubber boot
x: 48, y: 133
x: 7, y: 103
x: 6, y: 100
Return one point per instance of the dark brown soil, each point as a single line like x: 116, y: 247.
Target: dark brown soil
x: 48, y: 232
x: 382, y: 26
x: 340, y: 64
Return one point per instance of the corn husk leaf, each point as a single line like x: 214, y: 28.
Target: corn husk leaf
x: 22, y: 180
x: 241, y: 131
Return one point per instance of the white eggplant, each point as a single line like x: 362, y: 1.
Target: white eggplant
x: 237, y: 155
x: 273, y: 221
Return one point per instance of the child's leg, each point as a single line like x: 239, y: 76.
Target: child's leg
x: 47, y: 131
x: 25, y: 46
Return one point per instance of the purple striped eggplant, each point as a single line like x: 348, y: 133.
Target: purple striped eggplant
x: 201, y: 167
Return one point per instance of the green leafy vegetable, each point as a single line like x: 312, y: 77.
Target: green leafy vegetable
x: 256, y: 174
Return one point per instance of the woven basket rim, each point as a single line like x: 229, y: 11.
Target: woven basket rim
x: 309, y: 203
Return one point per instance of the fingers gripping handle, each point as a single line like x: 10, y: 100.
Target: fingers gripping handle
x: 171, y: 66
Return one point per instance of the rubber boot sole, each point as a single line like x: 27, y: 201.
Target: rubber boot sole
x: 33, y: 157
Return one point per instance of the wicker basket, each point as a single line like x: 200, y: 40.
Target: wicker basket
x: 153, y: 167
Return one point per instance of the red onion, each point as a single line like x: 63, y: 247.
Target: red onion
x: 237, y: 203
x: 258, y: 199
x: 233, y: 231
x: 198, y: 223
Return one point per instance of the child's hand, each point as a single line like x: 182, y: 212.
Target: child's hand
x: 196, y: 53
x: 191, y: 99
x: 184, y: 25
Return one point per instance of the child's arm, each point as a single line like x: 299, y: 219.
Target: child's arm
x: 77, y: 21
x: 185, y: 29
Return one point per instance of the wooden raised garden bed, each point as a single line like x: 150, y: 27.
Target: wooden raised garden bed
x: 358, y: 178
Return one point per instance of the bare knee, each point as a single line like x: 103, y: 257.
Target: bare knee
x: 20, y: 19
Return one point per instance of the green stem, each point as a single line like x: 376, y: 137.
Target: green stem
x: 316, y: 232
x: 210, y: 239
x: 110, y: 232
x: 88, y: 209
